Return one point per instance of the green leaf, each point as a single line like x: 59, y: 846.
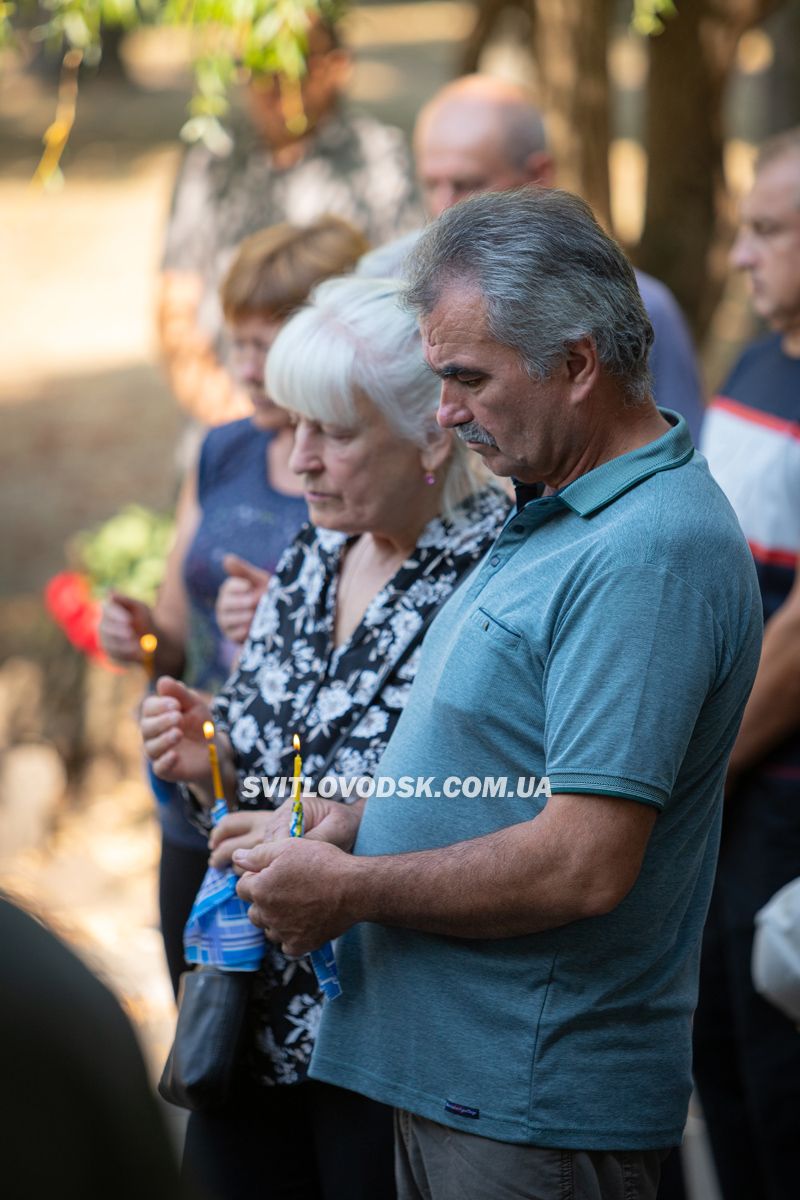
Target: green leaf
x: 649, y: 16
x: 127, y: 552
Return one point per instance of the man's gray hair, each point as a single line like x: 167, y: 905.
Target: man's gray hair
x: 549, y: 276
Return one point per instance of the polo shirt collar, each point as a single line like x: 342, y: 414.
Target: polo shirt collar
x: 592, y: 491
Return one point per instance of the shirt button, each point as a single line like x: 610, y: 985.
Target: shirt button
x: 494, y: 560
x: 517, y: 528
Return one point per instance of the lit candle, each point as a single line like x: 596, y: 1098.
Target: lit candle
x: 296, y: 829
x: 148, y: 643
x: 213, y: 758
x: 298, y: 766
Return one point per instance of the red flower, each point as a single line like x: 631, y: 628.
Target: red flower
x: 66, y: 595
x: 68, y: 598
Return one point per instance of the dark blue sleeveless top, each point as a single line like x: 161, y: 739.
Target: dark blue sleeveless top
x: 241, y: 513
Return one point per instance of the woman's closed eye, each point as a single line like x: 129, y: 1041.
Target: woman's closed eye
x: 337, y: 433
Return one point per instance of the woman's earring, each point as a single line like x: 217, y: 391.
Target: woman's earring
x: 430, y: 478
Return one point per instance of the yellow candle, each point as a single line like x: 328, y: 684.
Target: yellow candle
x: 296, y: 827
x: 148, y: 643
x: 213, y: 758
x: 298, y: 767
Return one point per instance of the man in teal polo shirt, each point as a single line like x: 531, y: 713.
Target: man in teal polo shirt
x: 519, y: 969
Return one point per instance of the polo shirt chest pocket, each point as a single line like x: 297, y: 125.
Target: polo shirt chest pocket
x: 496, y: 632
x: 484, y: 658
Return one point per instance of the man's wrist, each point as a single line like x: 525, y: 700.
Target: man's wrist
x: 357, y: 894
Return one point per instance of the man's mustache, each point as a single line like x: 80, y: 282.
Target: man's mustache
x: 471, y: 431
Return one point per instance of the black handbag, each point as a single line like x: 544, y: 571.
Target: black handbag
x: 211, y: 1009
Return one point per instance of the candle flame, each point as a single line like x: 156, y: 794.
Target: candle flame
x: 296, y: 744
x: 148, y: 642
x: 208, y: 730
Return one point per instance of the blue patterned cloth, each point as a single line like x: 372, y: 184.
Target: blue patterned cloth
x: 218, y: 932
x: 324, y: 963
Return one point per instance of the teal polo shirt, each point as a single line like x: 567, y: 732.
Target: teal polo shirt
x: 608, y: 641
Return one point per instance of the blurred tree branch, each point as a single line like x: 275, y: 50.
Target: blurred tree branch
x: 265, y: 36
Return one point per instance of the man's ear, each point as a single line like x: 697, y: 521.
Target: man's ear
x: 541, y: 169
x: 582, y: 367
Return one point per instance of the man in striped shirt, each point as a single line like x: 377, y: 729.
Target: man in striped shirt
x: 747, y: 1054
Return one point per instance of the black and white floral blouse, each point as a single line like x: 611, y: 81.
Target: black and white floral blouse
x: 343, y: 702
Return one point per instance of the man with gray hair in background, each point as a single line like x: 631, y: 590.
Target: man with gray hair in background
x: 519, y: 962
x: 480, y: 133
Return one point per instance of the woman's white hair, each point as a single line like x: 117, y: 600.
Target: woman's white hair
x: 355, y: 338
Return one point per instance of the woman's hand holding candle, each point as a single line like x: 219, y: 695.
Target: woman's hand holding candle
x: 123, y: 623
x: 171, y: 722
x: 324, y: 821
x: 243, y: 830
x: 131, y: 633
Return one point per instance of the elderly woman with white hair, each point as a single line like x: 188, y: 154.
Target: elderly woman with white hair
x: 401, y: 512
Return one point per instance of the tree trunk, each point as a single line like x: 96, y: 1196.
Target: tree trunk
x: 783, y: 99
x: 689, y: 218
x: 486, y: 21
x: 570, y: 43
